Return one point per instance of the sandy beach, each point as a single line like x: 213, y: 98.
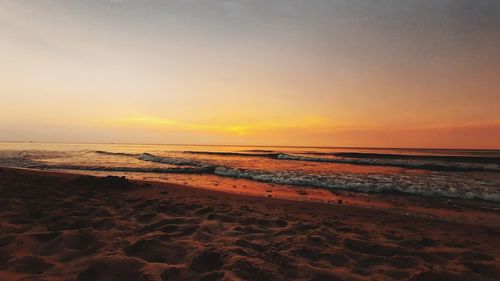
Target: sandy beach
x: 234, y: 140
x: 57, y: 226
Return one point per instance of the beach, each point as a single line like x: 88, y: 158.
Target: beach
x: 58, y: 226
x: 235, y: 140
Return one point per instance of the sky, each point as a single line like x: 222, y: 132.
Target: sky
x: 274, y: 72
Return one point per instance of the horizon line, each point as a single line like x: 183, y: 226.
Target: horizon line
x: 254, y: 145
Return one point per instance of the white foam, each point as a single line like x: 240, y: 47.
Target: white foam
x: 483, y: 185
x: 170, y: 160
x: 369, y: 183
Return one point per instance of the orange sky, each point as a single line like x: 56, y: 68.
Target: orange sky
x: 327, y: 73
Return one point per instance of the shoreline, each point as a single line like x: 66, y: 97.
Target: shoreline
x: 466, y: 211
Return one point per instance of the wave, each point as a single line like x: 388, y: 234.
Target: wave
x: 367, y: 184
x: 427, y: 186
x: 172, y: 160
x: 266, y: 154
x: 425, y: 162
x: 114, y: 153
x: 433, y: 163
x: 260, y: 150
x: 403, y: 163
x: 173, y: 170
x: 450, y: 185
x: 431, y: 184
x: 447, y: 158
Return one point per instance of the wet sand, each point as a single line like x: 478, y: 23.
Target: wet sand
x: 70, y: 227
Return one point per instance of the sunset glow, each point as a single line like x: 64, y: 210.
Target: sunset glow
x: 325, y: 73
x: 249, y: 140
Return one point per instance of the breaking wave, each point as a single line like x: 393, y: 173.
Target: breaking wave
x: 443, y: 158
x: 430, y: 186
x: 173, y: 170
x: 114, y: 153
x: 403, y: 163
x: 368, y: 184
x: 262, y: 154
x: 433, y: 163
x: 172, y: 160
x: 482, y: 186
x: 427, y: 185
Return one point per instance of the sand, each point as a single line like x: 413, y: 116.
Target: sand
x: 70, y: 227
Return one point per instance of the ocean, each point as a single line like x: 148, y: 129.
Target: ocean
x: 465, y: 174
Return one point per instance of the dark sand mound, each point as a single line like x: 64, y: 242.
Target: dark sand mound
x: 155, y: 250
x: 113, y: 269
x: 101, y: 184
x: 31, y: 264
x: 65, y: 227
x: 208, y: 260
